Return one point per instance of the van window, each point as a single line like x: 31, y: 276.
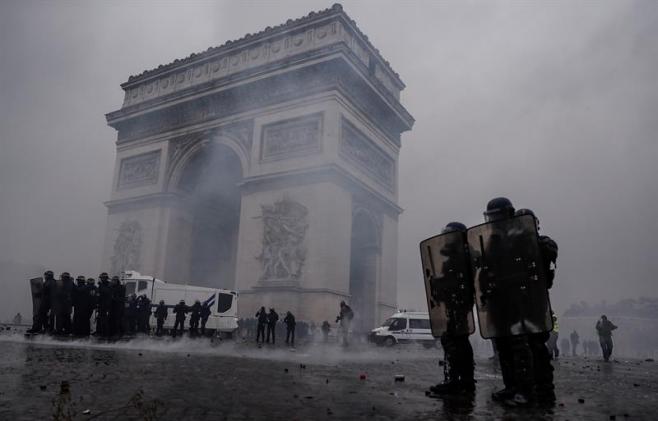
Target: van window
x: 224, y: 302
x: 142, y: 285
x: 398, y: 324
x: 419, y: 323
x: 130, y: 288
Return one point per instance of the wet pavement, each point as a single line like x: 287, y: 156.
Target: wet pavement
x: 148, y: 379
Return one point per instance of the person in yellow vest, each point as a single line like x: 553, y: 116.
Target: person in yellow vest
x: 552, y: 339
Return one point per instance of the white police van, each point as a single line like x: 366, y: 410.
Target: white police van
x: 405, y: 327
x: 223, y: 303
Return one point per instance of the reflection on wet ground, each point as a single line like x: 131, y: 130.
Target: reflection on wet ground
x: 149, y: 379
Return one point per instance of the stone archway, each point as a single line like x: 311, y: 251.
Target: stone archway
x: 364, y: 258
x: 208, y: 181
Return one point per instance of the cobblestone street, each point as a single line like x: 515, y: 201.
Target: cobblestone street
x: 149, y: 379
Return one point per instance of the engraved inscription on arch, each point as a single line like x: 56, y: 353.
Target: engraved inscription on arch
x: 294, y: 137
x: 365, y: 155
x: 139, y: 170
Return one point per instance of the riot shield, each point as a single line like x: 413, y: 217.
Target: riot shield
x: 36, y: 287
x: 511, y: 291
x: 448, y: 284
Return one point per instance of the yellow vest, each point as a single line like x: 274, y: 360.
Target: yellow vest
x: 556, y: 326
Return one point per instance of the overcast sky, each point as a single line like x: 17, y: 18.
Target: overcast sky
x: 553, y: 104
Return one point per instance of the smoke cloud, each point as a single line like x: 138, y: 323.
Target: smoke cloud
x: 549, y: 103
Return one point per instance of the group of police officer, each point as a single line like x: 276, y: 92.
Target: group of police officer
x: 65, y: 307
x: 505, y: 268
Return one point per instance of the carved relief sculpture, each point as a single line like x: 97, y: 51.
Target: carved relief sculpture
x: 291, y: 137
x: 127, y: 247
x: 369, y: 158
x: 139, y: 170
x: 284, y: 231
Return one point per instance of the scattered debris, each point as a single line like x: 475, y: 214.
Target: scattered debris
x: 399, y: 377
x: 42, y: 387
x: 86, y: 412
x: 636, y: 385
x: 581, y: 400
x: 326, y: 381
x: 140, y: 354
x: 64, y: 387
x: 309, y: 397
x: 649, y: 360
x: 362, y: 376
x: 285, y: 370
x: 613, y: 417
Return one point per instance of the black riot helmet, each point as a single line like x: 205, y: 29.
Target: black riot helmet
x: 90, y: 281
x: 525, y: 211
x: 80, y: 280
x: 498, y: 208
x: 103, y: 276
x: 65, y: 275
x: 116, y: 280
x: 48, y: 274
x: 454, y: 226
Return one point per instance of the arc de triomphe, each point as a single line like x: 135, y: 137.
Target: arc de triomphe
x: 266, y: 165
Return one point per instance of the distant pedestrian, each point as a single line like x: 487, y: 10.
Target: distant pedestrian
x: 289, y: 321
x: 261, y: 317
x: 345, y: 318
x: 272, y: 318
x: 326, y: 328
x: 575, y: 340
x: 604, y: 327
x: 179, y: 310
x: 564, y: 346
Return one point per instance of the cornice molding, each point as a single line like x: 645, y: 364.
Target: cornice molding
x: 316, y: 30
x: 211, y: 104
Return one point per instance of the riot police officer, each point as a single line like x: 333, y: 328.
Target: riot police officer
x: 63, y: 303
x: 511, y: 294
x: 451, y: 306
x: 104, y: 305
x: 195, y: 315
x: 130, y: 313
x: 45, y: 305
x: 160, y: 314
x: 78, y: 295
x: 118, y: 298
x: 541, y: 355
x: 143, y: 314
x: 179, y: 310
x: 90, y: 302
x: 205, y: 313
